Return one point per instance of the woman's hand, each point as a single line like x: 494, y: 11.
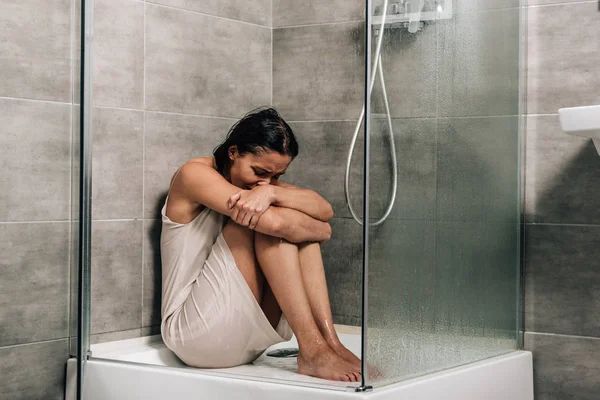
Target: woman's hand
x: 249, y: 205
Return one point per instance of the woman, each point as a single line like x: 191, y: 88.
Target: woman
x: 241, y: 257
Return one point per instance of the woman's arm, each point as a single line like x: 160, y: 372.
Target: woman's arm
x: 292, y: 225
x: 201, y: 184
x: 304, y: 200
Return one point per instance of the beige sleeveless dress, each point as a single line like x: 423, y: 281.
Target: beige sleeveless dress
x: 210, y: 317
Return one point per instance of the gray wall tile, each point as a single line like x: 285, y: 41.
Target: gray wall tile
x: 225, y: 73
x: 478, y: 55
x: 290, y: 12
x: 74, y: 277
x: 76, y: 50
x: 151, y: 330
x: 560, y: 187
x: 564, y: 367
x: 152, y: 273
x: 321, y: 165
x: 416, y: 160
x: 463, y: 6
x: 318, y: 71
x: 343, y: 282
x: 562, y: 61
x: 561, y: 171
x: 401, y: 256
x: 255, y: 11
x: 476, y: 271
x: 347, y: 320
x: 34, y: 371
x: 72, y: 346
x: 478, y: 169
x: 118, y: 53
x: 409, y: 67
x: 171, y: 140
x: 35, y: 59
x: 117, y: 163
x: 116, y: 276
x: 562, y: 279
x: 321, y: 162
x: 34, y: 282
x: 35, y: 144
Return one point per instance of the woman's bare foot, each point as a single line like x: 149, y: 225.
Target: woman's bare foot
x: 347, y: 355
x: 326, y: 364
x: 343, y: 352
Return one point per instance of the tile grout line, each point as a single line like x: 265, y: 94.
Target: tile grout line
x: 409, y: 118
x: 523, y: 75
x: 561, y: 334
x: 354, y: 21
x: 205, y: 14
x: 294, y: 121
x: 272, y: 46
x: 556, y: 224
x: 66, y: 338
x: 113, y: 332
x: 437, y: 58
x: 166, y: 112
x: 67, y: 103
x: 71, y: 154
x: 560, y: 4
x: 143, y: 166
x: 58, y: 221
x: 291, y: 121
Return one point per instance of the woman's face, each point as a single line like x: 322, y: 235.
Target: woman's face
x: 249, y: 170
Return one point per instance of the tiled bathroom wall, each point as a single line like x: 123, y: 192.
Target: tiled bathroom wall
x: 170, y: 78
x: 317, y: 83
x: 318, y: 68
x: 36, y: 99
x: 562, y: 189
x: 451, y: 87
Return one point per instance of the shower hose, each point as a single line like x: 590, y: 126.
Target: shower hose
x: 378, y: 68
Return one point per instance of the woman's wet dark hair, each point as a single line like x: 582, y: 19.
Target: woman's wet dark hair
x: 259, y: 131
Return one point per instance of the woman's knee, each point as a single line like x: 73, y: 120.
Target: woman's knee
x: 262, y: 242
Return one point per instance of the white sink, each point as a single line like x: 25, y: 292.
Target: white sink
x: 582, y: 121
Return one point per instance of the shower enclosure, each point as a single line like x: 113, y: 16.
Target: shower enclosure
x: 423, y: 266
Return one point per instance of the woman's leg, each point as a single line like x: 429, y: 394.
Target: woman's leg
x: 313, y: 276
x: 280, y: 264
x: 240, y: 241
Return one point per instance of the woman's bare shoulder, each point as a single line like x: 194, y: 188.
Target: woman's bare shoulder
x: 193, y: 164
x: 208, y: 161
x: 180, y: 207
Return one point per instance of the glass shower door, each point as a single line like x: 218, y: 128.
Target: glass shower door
x: 443, y: 267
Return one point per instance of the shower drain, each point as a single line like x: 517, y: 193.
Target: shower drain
x: 282, y: 353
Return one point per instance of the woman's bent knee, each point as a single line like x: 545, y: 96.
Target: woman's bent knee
x: 263, y: 241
